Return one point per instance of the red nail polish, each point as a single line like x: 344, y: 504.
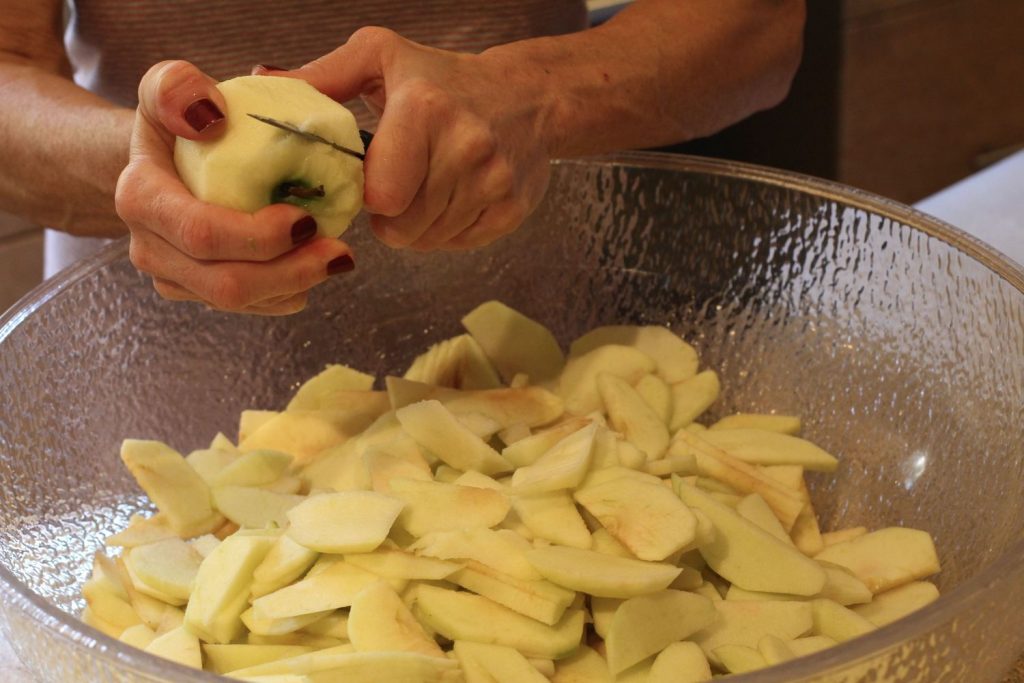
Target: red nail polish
x: 303, y: 229
x: 342, y: 264
x: 264, y: 68
x: 202, y: 114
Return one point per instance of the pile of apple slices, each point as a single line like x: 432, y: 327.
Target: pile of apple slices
x: 500, y: 514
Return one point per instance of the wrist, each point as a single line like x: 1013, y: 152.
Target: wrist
x: 532, y: 81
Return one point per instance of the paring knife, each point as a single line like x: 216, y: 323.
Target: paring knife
x: 366, y: 136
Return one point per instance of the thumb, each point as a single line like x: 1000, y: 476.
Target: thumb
x: 180, y: 99
x: 353, y: 68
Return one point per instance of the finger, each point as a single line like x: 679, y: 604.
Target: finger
x: 236, y: 285
x: 172, y: 291
x: 429, y: 204
x: 179, y: 98
x: 496, y: 221
x: 150, y: 196
x: 471, y: 197
x: 283, y: 306
x: 353, y: 68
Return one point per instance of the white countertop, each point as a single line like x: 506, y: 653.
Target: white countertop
x: 988, y: 205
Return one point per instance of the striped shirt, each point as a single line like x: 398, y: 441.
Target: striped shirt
x: 111, y: 43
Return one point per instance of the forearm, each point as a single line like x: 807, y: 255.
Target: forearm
x: 660, y: 72
x: 63, y: 151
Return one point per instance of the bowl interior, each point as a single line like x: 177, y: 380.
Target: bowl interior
x: 903, y: 353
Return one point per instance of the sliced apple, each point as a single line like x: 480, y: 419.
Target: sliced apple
x: 783, y: 424
x: 346, y: 522
x: 750, y: 557
x: 648, y: 519
x: 304, y: 434
x: 286, y: 562
x: 333, y: 625
x: 764, y: 447
x: 552, y: 516
x: 222, y: 586
x: 253, y: 508
x: 632, y: 417
x: 645, y: 625
x: 458, y: 362
x: 384, y: 466
x: 539, y: 599
x: 464, y: 616
x: 342, y: 663
x: 380, y: 622
x: 658, y: 396
x: 561, y: 467
x: 333, y: 587
x: 433, y: 506
x: 838, y: 536
x: 143, y: 531
x: 753, y: 508
x: 715, y: 463
x: 210, y: 462
x: 515, y: 343
x: 392, y: 563
x: 167, y: 567
x: 530, y: 405
x: 528, y: 450
x: 886, y: 558
x: 692, y: 396
x: 139, y: 636
x: 340, y: 468
x: 315, y: 393
x: 682, y: 662
x: 601, y: 575
x: 484, y: 663
x: 178, y: 645
x: 583, y: 666
x: 808, y: 645
x: 839, y: 623
x: 745, y: 623
x: 676, y: 360
x: 176, y: 489
x: 499, y: 549
x: 739, y: 659
x: 578, y: 382
x: 436, y: 429
x: 255, y: 468
x: 259, y: 624
x: 225, y: 658
x: 897, y: 603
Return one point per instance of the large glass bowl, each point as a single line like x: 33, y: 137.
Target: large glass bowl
x: 899, y: 340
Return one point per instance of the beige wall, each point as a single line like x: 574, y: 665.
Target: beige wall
x: 21, y: 258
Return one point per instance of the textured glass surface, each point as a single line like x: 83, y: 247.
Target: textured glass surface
x: 899, y: 341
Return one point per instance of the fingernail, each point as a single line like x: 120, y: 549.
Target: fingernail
x: 342, y: 264
x: 303, y: 229
x: 202, y: 114
x: 263, y: 68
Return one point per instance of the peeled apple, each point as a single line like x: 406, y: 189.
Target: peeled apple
x: 252, y: 164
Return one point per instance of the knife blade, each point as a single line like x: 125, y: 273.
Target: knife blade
x: 313, y: 137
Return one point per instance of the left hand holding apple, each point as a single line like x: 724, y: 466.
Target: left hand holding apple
x: 461, y: 154
x: 261, y: 261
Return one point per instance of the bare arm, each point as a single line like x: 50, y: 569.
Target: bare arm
x: 660, y: 72
x: 461, y: 155
x: 63, y: 147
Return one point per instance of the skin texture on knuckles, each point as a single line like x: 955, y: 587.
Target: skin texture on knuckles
x: 253, y: 164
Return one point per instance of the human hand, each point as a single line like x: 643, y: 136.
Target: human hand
x: 460, y: 156
x: 264, y: 263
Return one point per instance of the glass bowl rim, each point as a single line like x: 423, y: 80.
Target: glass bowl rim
x: 1002, y: 570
